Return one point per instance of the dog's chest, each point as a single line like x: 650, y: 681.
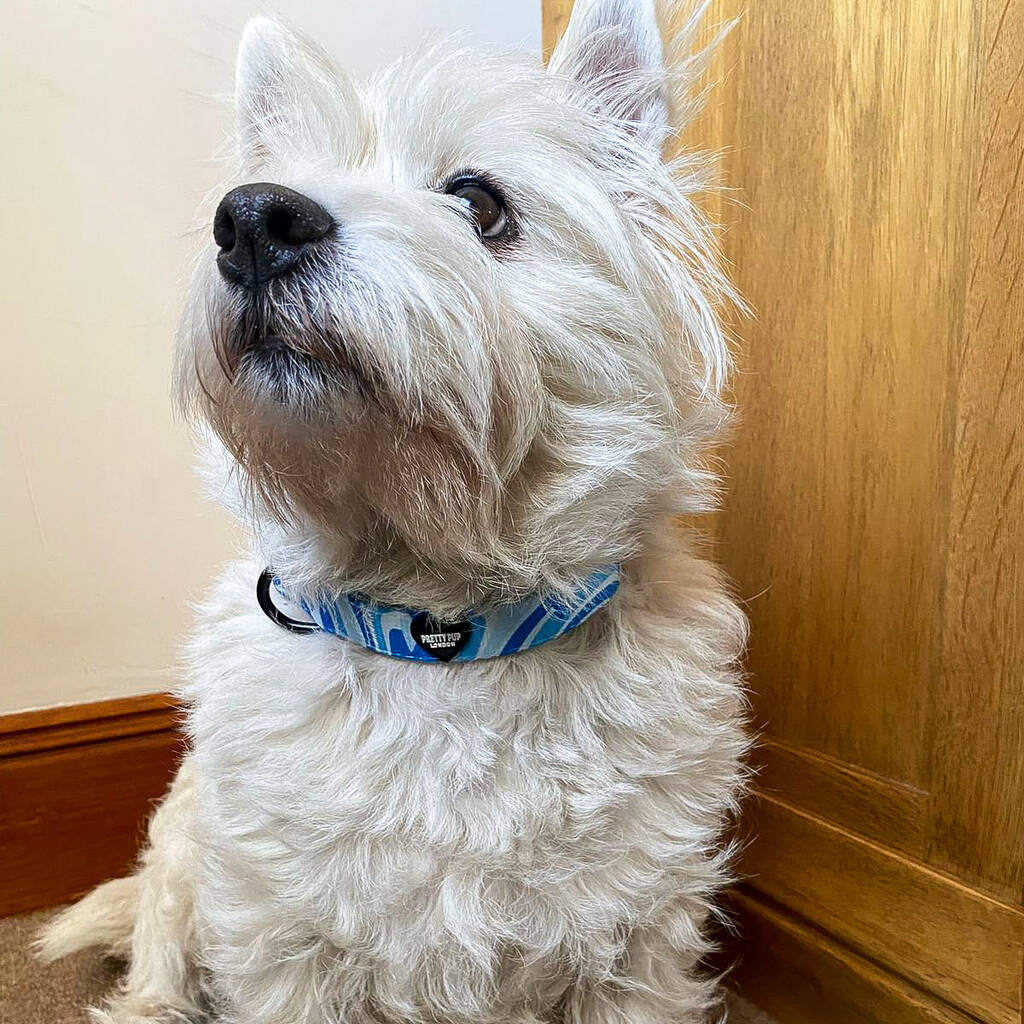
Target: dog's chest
x: 502, y: 825
x: 386, y: 806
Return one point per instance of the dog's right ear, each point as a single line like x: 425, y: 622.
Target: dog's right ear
x: 287, y: 92
x: 612, y: 50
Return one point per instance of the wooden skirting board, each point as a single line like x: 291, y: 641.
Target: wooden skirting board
x: 801, y: 975
x: 77, y: 785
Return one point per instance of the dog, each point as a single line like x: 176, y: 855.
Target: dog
x: 467, y: 722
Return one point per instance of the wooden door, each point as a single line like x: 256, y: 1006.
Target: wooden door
x: 875, y: 517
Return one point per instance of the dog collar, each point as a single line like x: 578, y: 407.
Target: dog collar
x: 417, y: 636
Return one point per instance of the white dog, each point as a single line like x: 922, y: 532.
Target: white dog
x: 460, y: 353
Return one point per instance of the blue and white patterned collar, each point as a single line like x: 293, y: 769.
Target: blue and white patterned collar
x: 416, y: 636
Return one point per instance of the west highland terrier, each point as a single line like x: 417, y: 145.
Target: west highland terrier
x: 466, y: 725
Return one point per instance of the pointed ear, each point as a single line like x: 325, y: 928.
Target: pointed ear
x: 286, y: 91
x: 613, y: 50
x: 261, y: 92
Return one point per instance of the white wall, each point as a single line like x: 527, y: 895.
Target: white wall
x: 110, y: 114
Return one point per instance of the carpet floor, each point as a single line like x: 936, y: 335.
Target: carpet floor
x: 34, y: 993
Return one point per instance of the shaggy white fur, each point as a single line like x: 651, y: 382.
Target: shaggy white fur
x: 533, y: 839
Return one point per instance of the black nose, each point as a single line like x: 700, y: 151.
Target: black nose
x: 263, y: 229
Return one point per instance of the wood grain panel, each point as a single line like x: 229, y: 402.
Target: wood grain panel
x: 945, y: 938
x: 876, y: 808
x: 849, y: 152
x: 554, y: 18
x: 978, y: 747
x: 801, y: 975
x: 76, y: 788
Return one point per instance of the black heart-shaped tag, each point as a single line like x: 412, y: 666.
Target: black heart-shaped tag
x: 441, y: 640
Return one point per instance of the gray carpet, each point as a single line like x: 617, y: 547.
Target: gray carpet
x: 34, y: 993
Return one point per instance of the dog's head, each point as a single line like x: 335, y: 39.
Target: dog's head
x: 459, y: 323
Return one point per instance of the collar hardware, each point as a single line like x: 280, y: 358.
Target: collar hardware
x: 272, y: 612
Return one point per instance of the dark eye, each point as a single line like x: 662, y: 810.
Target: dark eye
x: 483, y: 206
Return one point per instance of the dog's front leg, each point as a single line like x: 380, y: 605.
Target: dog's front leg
x: 660, y: 981
x: 162, y: 982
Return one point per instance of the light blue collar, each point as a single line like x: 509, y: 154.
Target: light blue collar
x: 416, y: 636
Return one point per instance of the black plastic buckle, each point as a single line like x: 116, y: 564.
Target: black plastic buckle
x: 274, y: 613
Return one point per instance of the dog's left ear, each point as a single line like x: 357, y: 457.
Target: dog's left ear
x: 287, y: 90
x: 613, y: 50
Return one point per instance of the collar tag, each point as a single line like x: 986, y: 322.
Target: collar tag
x: 400, y: 632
